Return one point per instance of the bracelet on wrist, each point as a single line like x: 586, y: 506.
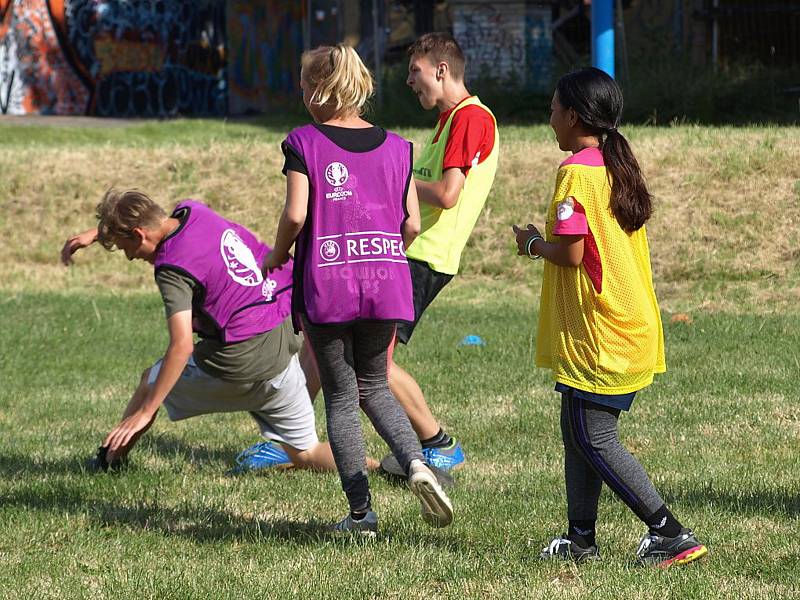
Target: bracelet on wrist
x: 529, y: 247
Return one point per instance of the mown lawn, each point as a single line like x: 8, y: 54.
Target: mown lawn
x: 719, y: 431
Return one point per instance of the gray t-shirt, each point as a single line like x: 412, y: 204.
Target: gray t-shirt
x: 256, y: 359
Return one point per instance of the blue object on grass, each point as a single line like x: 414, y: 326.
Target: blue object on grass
x: 262, y: 455
x: 472, y: 340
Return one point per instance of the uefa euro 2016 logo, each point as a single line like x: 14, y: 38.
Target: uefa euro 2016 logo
x: 329, y: 250
x: 336, y: 174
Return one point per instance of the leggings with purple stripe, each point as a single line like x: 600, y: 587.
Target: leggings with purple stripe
x: 593, y: 455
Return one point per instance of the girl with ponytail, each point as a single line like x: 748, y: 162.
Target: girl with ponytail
x: 599, y: 323
x: 351, y: 210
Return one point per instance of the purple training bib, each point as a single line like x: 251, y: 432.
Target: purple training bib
x: 225, y: 259
x: 350, y: 261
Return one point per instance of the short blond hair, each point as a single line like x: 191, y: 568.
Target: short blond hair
x: 338, y: 77
x: 122, y: 211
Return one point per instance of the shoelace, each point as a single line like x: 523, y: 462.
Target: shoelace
x: 644, y: 545
x: 251, y: 451
x: 552, y: 548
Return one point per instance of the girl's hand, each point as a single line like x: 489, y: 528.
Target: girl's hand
x: 273, y: 261
x: 523, y: 235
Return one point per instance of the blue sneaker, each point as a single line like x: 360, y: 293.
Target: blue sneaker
x: 263, y: 455
x: 445, y: 458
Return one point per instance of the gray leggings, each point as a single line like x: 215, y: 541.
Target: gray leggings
x: 593, y: 455
x: 353, y: 361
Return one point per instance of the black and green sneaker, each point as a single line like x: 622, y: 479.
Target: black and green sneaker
x: 563, y: 548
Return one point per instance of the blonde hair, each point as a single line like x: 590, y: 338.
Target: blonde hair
x: 338, y: 77
x: 122, y: 211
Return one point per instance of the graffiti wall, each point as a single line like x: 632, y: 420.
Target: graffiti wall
x: 118, y: 58
x: 35, y: 74
x: 505, y: 41
x: 265, y: 41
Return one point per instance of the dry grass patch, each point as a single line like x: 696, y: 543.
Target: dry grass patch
x: 720, y: 194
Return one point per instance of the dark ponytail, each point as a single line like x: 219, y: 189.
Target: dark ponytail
x: 597, y: 100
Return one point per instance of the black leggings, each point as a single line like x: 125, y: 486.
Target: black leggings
x: 593, y: 455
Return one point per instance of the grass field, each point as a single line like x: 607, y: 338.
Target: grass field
x: 719, y: 431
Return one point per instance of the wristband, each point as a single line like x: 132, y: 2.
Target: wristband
x: 529, y: 246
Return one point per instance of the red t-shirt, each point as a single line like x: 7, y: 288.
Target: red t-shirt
x: 471, y: 137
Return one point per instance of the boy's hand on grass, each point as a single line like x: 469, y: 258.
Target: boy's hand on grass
x: 122, y: 434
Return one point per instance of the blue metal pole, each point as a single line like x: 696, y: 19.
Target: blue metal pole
x: 603, y: 35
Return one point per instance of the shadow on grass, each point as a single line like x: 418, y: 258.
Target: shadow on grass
x: 199, y: 523
x: 746, y: 501
x: 203, y: 524
x: 163, y: 445
x: 168, y: 445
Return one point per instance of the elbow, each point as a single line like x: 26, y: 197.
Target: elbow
x: 183, y: 347
x: 409, y: 235
x: 411, y: 228
x: 449, y: 201
x: 296, y: 219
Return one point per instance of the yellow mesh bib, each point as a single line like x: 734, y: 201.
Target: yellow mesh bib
x: 607, y: 340
x: 445, y: 232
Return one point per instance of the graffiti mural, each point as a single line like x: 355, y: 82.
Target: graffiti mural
x: 493, y: 38
x: 35, y: 74
x: 265, y: 41
x: 509, y: 42
x: 118, y: 58
x: 539, y: 48
x: 152, y: 57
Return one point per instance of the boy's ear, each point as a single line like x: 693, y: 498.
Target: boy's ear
x: 441, y: 69
x: 573, y: 117
x: 139, y: 233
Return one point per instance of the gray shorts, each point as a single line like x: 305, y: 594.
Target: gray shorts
x: 280, y: 406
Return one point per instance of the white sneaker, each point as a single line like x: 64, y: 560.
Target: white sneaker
x: 437, y: 510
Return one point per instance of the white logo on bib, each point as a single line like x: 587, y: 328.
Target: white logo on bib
x: 336, y: 174
x: 329, y: 250
x: 242, y: 265
x: 268, y: 287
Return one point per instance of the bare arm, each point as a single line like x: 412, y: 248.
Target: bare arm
x: 181, y: 345
x: 292, y: 219
x: 443, y: 193
x: 411, y: 225
x: 76, y: 242
x: 566, y: 252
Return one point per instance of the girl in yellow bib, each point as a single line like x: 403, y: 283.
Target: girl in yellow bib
x: 599, y: 323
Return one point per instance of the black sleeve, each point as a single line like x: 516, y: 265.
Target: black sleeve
x: 293, y: 160
x: 409, y: 179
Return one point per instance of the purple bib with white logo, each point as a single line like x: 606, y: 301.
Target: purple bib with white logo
x: 225, y: 259
x: 350, y: 261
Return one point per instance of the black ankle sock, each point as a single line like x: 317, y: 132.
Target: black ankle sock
x: 439, y: 440
x: 358, y: 515
x: 581, y: 533
x: 662, y: 522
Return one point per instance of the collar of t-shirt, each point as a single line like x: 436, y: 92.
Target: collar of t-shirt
x: 446, y: 114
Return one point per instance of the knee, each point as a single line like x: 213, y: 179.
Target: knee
x: 301, y: 459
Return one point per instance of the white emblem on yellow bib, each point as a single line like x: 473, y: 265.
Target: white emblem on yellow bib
x: 565, y: 209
